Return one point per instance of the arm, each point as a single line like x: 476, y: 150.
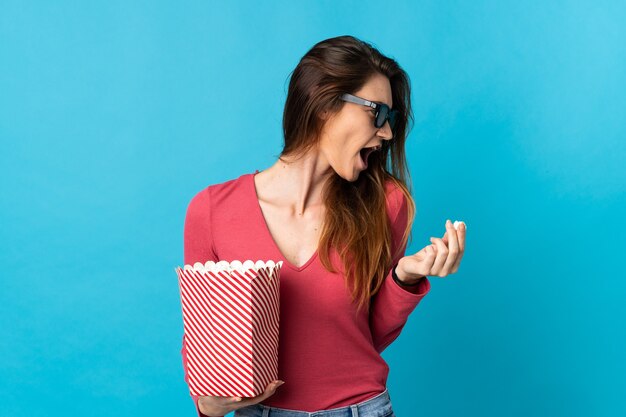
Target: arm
x: 391, y: 305
x: 198, y: 247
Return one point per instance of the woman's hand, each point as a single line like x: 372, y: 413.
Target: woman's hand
x: 440, y: 258
x: 220, y: 406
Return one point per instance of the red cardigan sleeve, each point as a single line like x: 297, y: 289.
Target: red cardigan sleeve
x: 391, y: 305
x: 198, y: 247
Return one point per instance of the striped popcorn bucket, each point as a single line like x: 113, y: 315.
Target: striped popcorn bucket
x: 230, y: 319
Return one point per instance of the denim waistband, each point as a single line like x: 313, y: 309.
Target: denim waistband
x: 363, y: 409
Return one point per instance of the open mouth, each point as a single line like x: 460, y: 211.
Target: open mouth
x: 365, y: 153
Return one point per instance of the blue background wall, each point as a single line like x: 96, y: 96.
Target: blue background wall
x: 114, y: 114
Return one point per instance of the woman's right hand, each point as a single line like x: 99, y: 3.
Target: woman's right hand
x: 220, y: 406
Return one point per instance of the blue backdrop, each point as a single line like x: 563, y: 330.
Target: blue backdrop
x: 114, y: 114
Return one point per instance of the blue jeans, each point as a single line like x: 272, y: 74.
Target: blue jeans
x: 378, y: 406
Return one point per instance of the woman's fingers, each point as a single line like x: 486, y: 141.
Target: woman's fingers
x: 453, y: 248
x: 431, y: 253
x: 442, y: 255
x: 453, y: 241
x: 270, y: 390
x: 234, y: 403
x: 461, y: 235
x: 460, y: 231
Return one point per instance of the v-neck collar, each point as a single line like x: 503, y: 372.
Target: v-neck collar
x: 257, y: 204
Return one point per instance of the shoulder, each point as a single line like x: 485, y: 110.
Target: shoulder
x: 396, y: 199
x: 217, y: 193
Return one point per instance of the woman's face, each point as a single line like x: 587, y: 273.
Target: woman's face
x: 352, y: 129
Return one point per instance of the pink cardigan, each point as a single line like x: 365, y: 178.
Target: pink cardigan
x: 329, y: 356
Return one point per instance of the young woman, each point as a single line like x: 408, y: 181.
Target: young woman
x: 336, y: 209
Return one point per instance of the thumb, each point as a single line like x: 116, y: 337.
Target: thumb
x: 269, y: 391
x: 271, y: 388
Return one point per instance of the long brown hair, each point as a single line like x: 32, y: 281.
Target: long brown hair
x: 355, y: 222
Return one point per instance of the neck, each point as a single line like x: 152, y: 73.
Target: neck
x: 298, y: 183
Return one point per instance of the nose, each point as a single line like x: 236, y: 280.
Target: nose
x: 385, y: 131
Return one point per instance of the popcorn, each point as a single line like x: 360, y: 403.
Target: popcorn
x: 457, y: 223
x: 231, y: 326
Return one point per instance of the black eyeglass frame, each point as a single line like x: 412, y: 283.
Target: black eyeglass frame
x: 381, y: 109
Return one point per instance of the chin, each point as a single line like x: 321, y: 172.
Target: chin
x: 355, y: 177
x: 350, y: 178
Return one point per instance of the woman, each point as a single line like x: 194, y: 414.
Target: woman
x: 339, y: 219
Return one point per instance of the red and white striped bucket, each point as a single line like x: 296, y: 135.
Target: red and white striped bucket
x: 231, y: 322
